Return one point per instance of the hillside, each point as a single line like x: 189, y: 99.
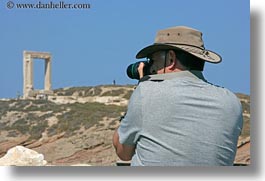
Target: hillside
x: 76, y: 125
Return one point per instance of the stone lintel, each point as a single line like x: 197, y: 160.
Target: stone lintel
x: 40, y: 55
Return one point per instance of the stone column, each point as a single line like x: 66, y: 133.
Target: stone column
x: 28, y: 74
x: 47, y: 73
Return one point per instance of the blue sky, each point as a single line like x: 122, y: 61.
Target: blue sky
x: 94, y: 46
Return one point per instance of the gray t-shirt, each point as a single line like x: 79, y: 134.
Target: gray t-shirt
x: 178, y: 119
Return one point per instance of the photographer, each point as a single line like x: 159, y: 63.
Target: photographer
x: 175, y: 117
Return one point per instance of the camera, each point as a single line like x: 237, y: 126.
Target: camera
x: 132, y: 70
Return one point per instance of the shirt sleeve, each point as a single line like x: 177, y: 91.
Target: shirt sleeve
x: 131, y: 124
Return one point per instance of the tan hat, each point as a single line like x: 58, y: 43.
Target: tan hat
x: 181, y: 38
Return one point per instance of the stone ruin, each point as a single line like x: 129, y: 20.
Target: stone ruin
x: 28, y: 75
x: 22, y: 156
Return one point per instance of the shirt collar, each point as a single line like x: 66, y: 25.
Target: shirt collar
x: 168, y: 76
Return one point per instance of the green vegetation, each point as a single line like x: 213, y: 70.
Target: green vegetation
x: 95, y: 91
x: 128, y: 94
x: 117, y: 92
x: 31, y: 116
x: 28, y: 106
x: 31, y: 125
x: 36, y: 131
x: 86, y: 115
x: 83, y: 91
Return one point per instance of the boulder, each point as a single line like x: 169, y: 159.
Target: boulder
x: 21, y: 156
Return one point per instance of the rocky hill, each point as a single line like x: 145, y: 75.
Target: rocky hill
x: 75, y: 126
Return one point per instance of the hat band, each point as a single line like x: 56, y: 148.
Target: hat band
x: 192, y: 49
x: 195, y: 50
x: 179, y: 44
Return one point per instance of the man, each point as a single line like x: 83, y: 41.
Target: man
x: 175, y: 117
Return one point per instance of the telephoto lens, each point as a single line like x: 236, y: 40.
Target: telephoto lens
x: 132, y: 70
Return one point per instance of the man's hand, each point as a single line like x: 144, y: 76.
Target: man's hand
x: 141, y: 70
x: 124, y: 152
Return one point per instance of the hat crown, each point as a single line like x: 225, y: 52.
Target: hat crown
x: 181, y: 38
x: 180, y: 35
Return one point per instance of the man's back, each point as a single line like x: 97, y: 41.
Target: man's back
x: 184, y: 121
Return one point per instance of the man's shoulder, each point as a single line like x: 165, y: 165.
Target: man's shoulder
x: 225, y: 95
x: 223, y: 91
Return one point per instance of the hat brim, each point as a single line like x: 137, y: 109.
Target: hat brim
x: 206, y: 55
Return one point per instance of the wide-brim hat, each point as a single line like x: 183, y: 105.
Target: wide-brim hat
x: 180, y: 38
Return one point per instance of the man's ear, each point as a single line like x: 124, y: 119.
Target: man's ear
x: 172, y: 60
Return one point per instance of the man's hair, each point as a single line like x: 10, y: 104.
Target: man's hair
x: 189, y: 61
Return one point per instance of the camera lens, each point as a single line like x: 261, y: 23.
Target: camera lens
x: 132, y: 70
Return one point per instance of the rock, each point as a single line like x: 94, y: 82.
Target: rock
x: 21, y: 156
x: 243, y: 152
x: 11, y: 142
